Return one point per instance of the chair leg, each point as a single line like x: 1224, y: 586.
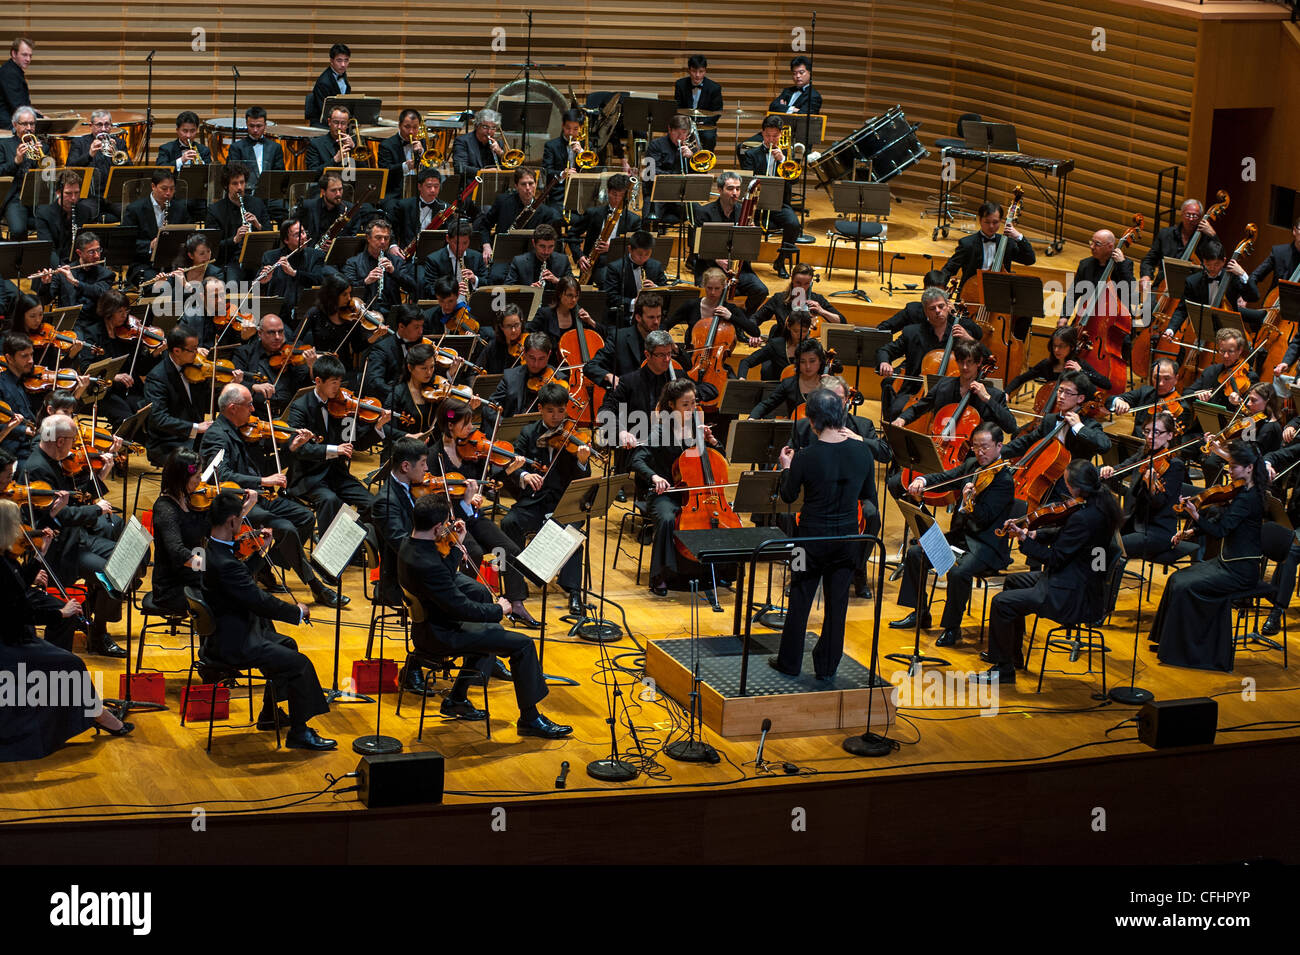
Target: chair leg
x: 487, y: 709
x: 189, y: 677
x: 139, y: 650
x: 424, y: 699
x: 622, y: 522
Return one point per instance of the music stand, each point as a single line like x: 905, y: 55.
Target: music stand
x: 172, y: 239
x: 364, y: 109
x: 253, y: 247
x: 525, y: 297
x: 914, y: 450
x: 508, y: 428
x: 343, y: 248
x: 507, y: 245
x: 741, y: 396
x: 360, y: 177
x: 858, y: 199
x: 23, y: 258
x: 332, y: 554
x: 603, y: 492
x: 545, y: 539
x: 430, y: 241
x: 119, y: 579
x: 918, y: 522
x: 661, y: 252
x: 758, y: 492
x: 580, y: 191
x: 855, y: 345
x: 34, y: 181
x: 990, y: 138
x: 684, y: 191
x: 722, y: 240
x: 275, y: 184
x: 493, y: 182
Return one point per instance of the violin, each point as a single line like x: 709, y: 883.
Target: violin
x: 81, y: 459
x: 1217, y: 495
x: 201, y: 498
x: 452, y: 483
x: 153, y: 339
x: 550, y: 375
x: 1235, y: 381
x: 499, y: 453
x: 23, y: 542
x: 442, y: 389
x: 982, y: 481
x: 1046, y: 516
x: 256, y: 429
x: 371, y: 321
x: 43, y: 378
x: 243, y: 322
x: 1171, y: 405
x: 250, y: 542
x: 291, y: 354
x: 445, y: 358
x: 366, y: 409
x: 101, y: 439
x: 47, y: 335
x: 201, y: 369
x: 1230, y: 432
x: 570, y: 436
x: 39, y: 494
x: 516, y: 349
x: 462, y: 323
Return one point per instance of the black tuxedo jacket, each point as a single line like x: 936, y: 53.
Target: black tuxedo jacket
x: 169, y: 153
x: 1168, y: 244
x: 968, y: 257
x: 241, y: 610
x: 55, y: 226
x: 620, y: 285
x: 241, y: 150
x: 13, y: 92
x: 993, y: 505
x: 241, y: 461
x: 555, y: 159
x: 387, y: 365
x: 175, y: 410
x: 252, y: 357
x: 91, y: 284
x: 639, y: 390
x: 667, y: 158
x: 446, y: 598
x: 101, y: 162
x: 756, y: 160
x: 74, y: 523
x: 505, y: 208
x: 310, y: 466
x: 10, y: 166
x: 438, y: 266
x: 710, y: 95
x: 402, y: 277
x: 139, y: 216
x: 392, y: 156
x: 589, y: 225
x: 525, y: 269
x: 562, y: 467
x: 308, y: 264
x: 406, y: 218
x: 468, y: 155
x: 326, y: 86
x: 782, y: 101
x: 392, y: 515
x: 320, y: 153
x: 316, y: 219
x: 1197, y: 289
x: 1088, y: 275
x: 224, y: 216
x: 1282, y: 261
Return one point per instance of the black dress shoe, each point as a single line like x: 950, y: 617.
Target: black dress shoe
x: 101, y: 644
x: 539, y: 725
x: 863, y: 591
x: 984, y: 657
x: 658, y: 588
x: 328, y: 596
x: 308, y: 738
x: 267, y: 722
x: 412, y: 679
x: 575, y: 604
x: 949, y: 638
x: 775, y: 663
x: 1003, y: 673
x: 462, y: 710
x: 909, y: 622
x: 271, y: 585
x: 499, y: 670
x: 1273, y: 625
x: 779, y: 268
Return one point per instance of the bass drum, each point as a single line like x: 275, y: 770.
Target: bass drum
x: 539, y: 91
x: 891, y: 145
x: 834, y: 164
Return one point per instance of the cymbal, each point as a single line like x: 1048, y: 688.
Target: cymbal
x: 745, y: 114
x: 698, y: 113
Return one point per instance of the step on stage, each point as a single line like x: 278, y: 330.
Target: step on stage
x: 793, y: 704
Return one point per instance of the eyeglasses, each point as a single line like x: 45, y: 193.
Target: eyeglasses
x: 1068, y: 394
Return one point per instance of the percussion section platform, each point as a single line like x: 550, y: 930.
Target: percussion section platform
x: 979, y: 160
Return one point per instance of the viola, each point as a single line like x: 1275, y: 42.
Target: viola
x: 442, y: 389
x: 570, y: 436
x: 81, y: 459
x: 1230, y: 432
x: 289, y: 354
x: 257, y: 429
x: 39, y: 494
x: 499, y: 453
x: 462, y: 323
x: 101, y: 439
x: 250, y: 542
x: 203, y: 369
x: 201, y: 498
x: 451, y: 483
x: 47, y: 335
x: 1219, y: 494
x: 244, y: 322
x: 697, y: 470
x: 1046, y: 516
x: 153, y: 339
x: 577, y: 346
x: 982, y: 481
x: 367, y: 409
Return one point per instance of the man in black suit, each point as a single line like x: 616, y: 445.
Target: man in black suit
x: 633, y: 399
x: 669, y: 155
x: 392, y: 518
x: 376, y: 274
x: 1283, y: 263
x: 480, y: 148
x: 1172, y: 241
x: 512, y: 394
x: 283, y: 382
x: 147, y: 215
x: 1083, y: 438
x: 627, y: 278
x: 178, y: 405
x: 459, y: 617
x: 973, y: 525
x: 625, y: 349
x: 559, y: 157
x: 185, y: 151
x: 1204, y: 287
x: 799, y: 97
x: 507, y: 209
x: 913, y: 345
x: 95, y: 151
x: 764, y: 159
x: 57, y: 221
x: 333, y: 81
x: 412, y: 215
x: 1087, y: 276
x: 455, y: 261
x: 336, y: 145
x: 542, y: 265
x: 912, y: 313
x: 388, y: 355
x: 16, y: 160
x: 726, y: 208
x: 13, y: 79
x: 246, y: 463
x: 400, y: 154
x: 977, y: 250
x: 258, y: 152
x: 84, y: 286
x: 291, y: 267
x: 584, y: 236
x: 319, y: 471
x: 245, y: 637
x: 234, y: 215
x: 319, y: 212
x: 988, y: 402
x: 19, y: 360
x: 697, y: 91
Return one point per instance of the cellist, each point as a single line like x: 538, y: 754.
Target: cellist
x: 914, y: 344
x: 987, y: 499
x: 1065, y: 355
x: 1082, y: 437
x: 1172, y: 241
x: 988, y: 401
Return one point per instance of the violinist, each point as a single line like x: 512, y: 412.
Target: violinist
x: 446, y: 456
x: 237, y: 213
x: 78, y: 551
x: 726, y: 208
x: 319, y: 471
x: 283, y: 379
x: 332, y: 327
x: 451, y: 305
x: 1172, y: 240
x: 1161, y: 392
x: 1150, y: 493
x: 778, y: 352
x: 914, y: 344
x: 987, y: 501
x: 407, y: 396
x: 291, y: 267
x: 378, y: 275
x: 627, y: 279
x: 514, y: 393
x: 989, y: 402
x: 179, y: 532
x: 29, y: 320
x: 507, y: 346
x: 1226, y: 381
x: 507, y: 209
x: 539, y: 493
x: 558, y: 318
x: 977, y: 250
x: 179, y: 406
x: 455, y: 261
x: 125, y: 394
x: 461, y: 618
x: 388, y: 355
x: 1278, y: 463
x: 1193, y: 625
x: 1265, y: 433
x: 542, y: 266
x: 913, y: 313
x: 1070, y: 588
x: 832, y: 474
x: 1203, y: 287
x: 634, y: 398
x: 1064, y: 356
x: 810, y: 360
x: 711, y: 305
x: 246, y: 464
x: 19, y: 361
x: 1082, y: 437
x: 799, y: 296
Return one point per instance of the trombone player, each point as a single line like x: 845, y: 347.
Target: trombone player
x: 768, y: 159
x: 18, y: 156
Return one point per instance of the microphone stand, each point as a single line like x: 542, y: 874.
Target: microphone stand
x: 804, y: 237
x: 1134, y: 695
x: 468, y: 115
x: 148, y: 104
x: 234, y: 111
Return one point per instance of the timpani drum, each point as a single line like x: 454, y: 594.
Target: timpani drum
x: 215, y: 134
x: 294, y: 141
x: 129, y: 129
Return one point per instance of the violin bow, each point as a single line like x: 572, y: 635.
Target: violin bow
x: 356, y: 415
x: 54, y: 578
x: 297, y: 336
x: 275, y: 448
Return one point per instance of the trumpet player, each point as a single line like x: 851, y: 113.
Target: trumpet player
x: 560, y: 158
x: 235, y: 215
x: 185, y: 150
x: 18, y: 156
x: 670, y: 155
x: 480, y: 148
x: 291, y: 267
x: 400, y: 154
x: 765, y: 160
x: 99, y: 150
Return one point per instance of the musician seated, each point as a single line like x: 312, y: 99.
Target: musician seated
x: 978, y: 250
x: 259, y: 153
x: 910, y: 314
x: 913, y: 345
x: 627, y: 278
x: 989, y: 402
x: 1265, y: 433
x: 81, y: 284
x: 810, y: 364
x: 1284, y: 573
x: 1161, y: 393
x: 1204, y: 287
x: 538, y: 493
x: 1082, y: 437
x: 455, y: 261
x: 377, y: 276
x: 319, y: 471
x: 1150, y: 520
x: 765, y: 159
x: 461, y: 618
x: 28, y: 318
x: 291, y: 267
x: 478, y: 149
x: 408, y: 396
x: 333, y: 81
x: 331, y: 326
x: 147, y: 215
x: 388, y: 355
x: 125, y: 394
x: 79, y: 551
x: 986, y: 502
x: 630, y: 403
x: 726, y: 208
x: 563, y: 315
x: 447, y: 314
x: 179, y: 532
x: 193, y: 290
x: 179, y: 405
x: 401, y: 154
x: 57, y: 221
x: 1063, y: 355
x: 246, y: 637
x: 234, y: 215
x: 1071, y: 588
x: 697, y: 92
x: 669, y: 155
x: 513, y: 392
x: 501, y: 217
x: 284, y: 379
x: 1283, y: 263
x: 337, y: 147
x: 19, y: 358
x: 412, y: 215
x: 318, y: 213
x: 17, y: 159
x: 541, y: 266
x: 559, y: 158
x: 800, y: 96
x: 778, y: 352
x: 799, y: 295
x: 710, y: 305
x: 506, y: 348
x: 1220, y: 383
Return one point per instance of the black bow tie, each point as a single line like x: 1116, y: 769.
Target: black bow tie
x: 427, y: 205
x: 697, y: 87
x: 990, y: 238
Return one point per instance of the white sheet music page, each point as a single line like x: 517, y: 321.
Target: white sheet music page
x: 553, y: 545
x: 339, y: 542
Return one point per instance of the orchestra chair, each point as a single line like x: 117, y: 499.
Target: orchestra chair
x: 431, y: 665
x: 1248, y: 608
x: 381, y: 614
x: 1019, y: 509
x: 636, y: 525
x: 854, y: 233
x: 168, y: 620
x: 952, y: 142
x: 214, y: 671
x: 1077, y: 636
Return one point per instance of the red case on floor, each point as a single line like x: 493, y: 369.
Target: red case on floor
x: 491, y: 577
x: 199, y: 701
x: 365, y: 676
x: 145, y: 687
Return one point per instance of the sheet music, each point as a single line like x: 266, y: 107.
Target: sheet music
x: 210, y: 471
x: 128, y: 552
x: 938, y: 550
x: 339, y: 542
x: 550, y: 548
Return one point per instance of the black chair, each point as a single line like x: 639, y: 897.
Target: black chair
x: 1078, y: 637
x: 169, y: 621
x: 381, y: 613
x: 431, y: 665
x: 215, y: 671
x: 635, y: 524
x: 947, y: 142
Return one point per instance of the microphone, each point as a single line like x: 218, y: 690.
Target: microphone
x: 564, y: 774
x: 758, y: 758
x: 149, y: 58
x: 234, y: 69
x: 470, y: 75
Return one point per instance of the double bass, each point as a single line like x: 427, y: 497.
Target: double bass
x: 1196, y: 359
x: 1000, y: 336
x: 1277, y: 330
x: 1106, y: 320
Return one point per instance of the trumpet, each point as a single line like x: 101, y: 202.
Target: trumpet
x: 35, y: 152
x: 186, y: 145
x: 353, y: 135
x: 790, y: 167
x: 701, y: 159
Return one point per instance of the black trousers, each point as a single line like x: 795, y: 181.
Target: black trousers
x: 1022, y: 595
x: 1284, y: 577
x: 484, y: 537
x: 831, y: 566
x: 526, y: 518
x: 291, y: 524
x: 91, y: 557
x: 917, y: 565
x: 662, y: 510
x: 291, y: 676
x: 785, y: 220
x: 328, y: 498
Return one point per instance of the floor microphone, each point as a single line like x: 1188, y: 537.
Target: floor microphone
x: 758, y: 759
x: 564, y: 774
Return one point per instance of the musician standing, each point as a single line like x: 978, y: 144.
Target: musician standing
x: 765, y: 159
x: 333, y: 81
x: 697, y: 92
x: 978, y: 250
x: 726, y: 208
x: 234, y: 215
x: 914, y: 344
x: 14, y: 92
x: 1086, y: 284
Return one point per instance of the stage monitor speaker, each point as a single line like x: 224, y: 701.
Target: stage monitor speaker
x: 400, y: 779
x: 1164, y: 723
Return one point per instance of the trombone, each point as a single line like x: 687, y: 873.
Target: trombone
x: 586, y: 157
x: 701, y: 159
x: 510, y: 158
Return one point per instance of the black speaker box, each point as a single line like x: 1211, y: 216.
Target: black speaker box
x: 400, y: 779
x: 1191, y: 722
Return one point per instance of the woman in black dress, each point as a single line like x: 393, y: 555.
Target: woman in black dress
x: 810, y: 363
x: 834, y: 473
x: 799, y: 295
x: 407, y: 398
x: 178, y: 532
x: 331, y: 329
x: 1193, y: 625
x: 40, y: 725
x: 1150, y: 520
x: 557, y: 319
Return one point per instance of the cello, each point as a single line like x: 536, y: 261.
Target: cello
x: 705, y: 507
x: 951, y: 429
x: 1041, y: 467
x: 1196, y: 359
x: 1279, y: 331
x: 711, y: 347
x: 1000, y: 328
x: 1106, y: 320
x: 577, y: 345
